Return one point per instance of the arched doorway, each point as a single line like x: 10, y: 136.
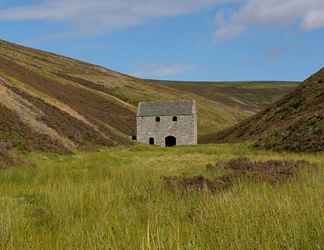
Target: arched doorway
x: 170, y: 141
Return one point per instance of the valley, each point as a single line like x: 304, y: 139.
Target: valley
x: 58, y: 104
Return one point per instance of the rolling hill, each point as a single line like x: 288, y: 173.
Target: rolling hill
x: 54, y: 103
x: 249, y: 97
x: 295, y: 122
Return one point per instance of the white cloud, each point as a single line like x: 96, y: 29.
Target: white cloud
x: 314, y: 19
x: 162, y: 70
x: 104, y: 15
x: 308, y: 13
x: 95, y: 16
x: 226, y: 30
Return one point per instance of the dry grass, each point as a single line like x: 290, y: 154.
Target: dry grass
x: 115, y: 199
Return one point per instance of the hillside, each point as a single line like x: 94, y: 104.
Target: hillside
x: 250, y: 97
x: 296, y: 122
x: 54, y: 103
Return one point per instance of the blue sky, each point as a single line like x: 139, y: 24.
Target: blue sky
x: 177, y: 39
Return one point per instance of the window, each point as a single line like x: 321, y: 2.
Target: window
x: 157, y: 119
x: 134, y: 137
x: 175, y: 119
x: 151, y: 141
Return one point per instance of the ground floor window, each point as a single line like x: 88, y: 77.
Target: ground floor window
x: 151, y: 141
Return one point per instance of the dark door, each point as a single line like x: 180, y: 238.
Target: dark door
x: 151, y: 141
x: 170, y: 141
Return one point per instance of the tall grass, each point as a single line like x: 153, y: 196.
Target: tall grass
x: 115, y: 199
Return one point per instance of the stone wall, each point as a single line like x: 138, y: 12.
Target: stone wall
x: 184, y: 129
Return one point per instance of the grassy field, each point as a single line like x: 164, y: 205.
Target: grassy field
x: 116, y: 199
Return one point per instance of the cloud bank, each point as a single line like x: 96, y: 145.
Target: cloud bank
x: 308, y: 14
x: 103, y: 15
x: 97, y: 16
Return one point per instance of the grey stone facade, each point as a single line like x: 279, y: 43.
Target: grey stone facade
x: 167, y: 123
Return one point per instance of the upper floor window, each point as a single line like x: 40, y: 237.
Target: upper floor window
x: 175, y: 119
x: 157, y: 119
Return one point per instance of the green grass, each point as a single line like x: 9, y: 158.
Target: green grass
x: 115, y: 199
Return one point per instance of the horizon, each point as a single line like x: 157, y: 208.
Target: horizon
x: 200, y: 41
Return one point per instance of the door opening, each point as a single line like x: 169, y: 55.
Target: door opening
x: 170, y: 141
x: 151, y: 141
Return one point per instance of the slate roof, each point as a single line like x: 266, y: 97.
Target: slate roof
x: 167, y: 108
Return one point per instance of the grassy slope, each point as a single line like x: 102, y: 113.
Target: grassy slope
x: 114, y: 199
x: 250, y: 97
x: 60, y: 104
x: 293, y: 123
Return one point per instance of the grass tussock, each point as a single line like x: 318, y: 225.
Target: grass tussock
x: 115, y: 199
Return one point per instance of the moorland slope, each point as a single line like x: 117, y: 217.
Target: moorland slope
x: 249, y: 97
x: 296, y: 122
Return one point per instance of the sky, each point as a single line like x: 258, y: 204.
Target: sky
x: 198, y: 40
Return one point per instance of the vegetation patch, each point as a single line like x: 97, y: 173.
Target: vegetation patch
x: 15, y: 135
x: 66, y: 125
x: 271, y: 172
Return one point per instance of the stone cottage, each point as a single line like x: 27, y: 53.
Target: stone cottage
x: 167, y: 123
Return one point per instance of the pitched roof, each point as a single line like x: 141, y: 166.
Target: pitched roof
x: 167, y: 108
